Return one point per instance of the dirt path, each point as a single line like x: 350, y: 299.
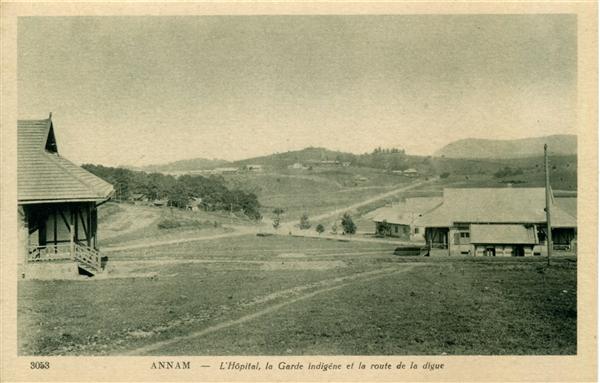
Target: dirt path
x: 239, y: 232
x: 330, y: 214
x: 329, y: 285
x: 283, y: 255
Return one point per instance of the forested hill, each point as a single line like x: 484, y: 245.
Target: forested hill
x: 179, y: 191
x: 290, y: 157
x: 392, y: 158
x: 498, y: 149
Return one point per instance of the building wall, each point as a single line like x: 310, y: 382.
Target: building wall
x: 503, y: 250
x: 397, y: 231
x: 417, y: 233
x: 22, y: 235
x: 459, y: 241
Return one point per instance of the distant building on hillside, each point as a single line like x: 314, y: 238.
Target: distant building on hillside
x: 496, y: 222
x: 254, y: 168
x: 297, y: 166
x: 194, y: 204
x: 327, y: 163
x: 410, y: 172
x: 138, y: 198
x: 225, y: 170
x: 57, y: 207
x: 401, y: 218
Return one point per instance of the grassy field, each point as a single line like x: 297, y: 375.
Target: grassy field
x: 453, y: 308
x: 287, y: 295
x: 316, y: 191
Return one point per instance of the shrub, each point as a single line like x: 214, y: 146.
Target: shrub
x: 348, y: 224
x: 167, y: 223
x: 507, y: 171
x: 304, y: 223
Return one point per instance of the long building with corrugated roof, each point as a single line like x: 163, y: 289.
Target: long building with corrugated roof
x: 496, y: 221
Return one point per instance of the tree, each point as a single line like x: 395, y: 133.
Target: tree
x: 334, y: 228
x: 384, y: 228
x: 178, y: 195
x: 320, y: 229
x: 277, y: 219
x: 276, y: 222
x: 348, y: 224
x: 304, y: 222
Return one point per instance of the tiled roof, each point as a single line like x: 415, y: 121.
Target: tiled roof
x: 503, y: 234
x: 495, y: 205
x: 44, y: 176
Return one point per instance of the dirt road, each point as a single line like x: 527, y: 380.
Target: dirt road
x: 290, y: 226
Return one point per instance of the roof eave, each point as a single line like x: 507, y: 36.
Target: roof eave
x: 62, y: 200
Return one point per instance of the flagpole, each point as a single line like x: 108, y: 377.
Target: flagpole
x: 548, y: 220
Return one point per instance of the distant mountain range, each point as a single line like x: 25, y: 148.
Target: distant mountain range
x: 473, y: 148
x: 470, y: 149
x: 185, y: 165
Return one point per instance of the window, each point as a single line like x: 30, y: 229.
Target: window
x: 395, y: 228
x: 416, y: 230
x: 462, y: 238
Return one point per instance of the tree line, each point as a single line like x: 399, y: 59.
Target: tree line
x: 179, y: 191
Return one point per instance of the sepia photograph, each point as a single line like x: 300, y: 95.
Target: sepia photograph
x: 237, y: 193
x: 300, y: 185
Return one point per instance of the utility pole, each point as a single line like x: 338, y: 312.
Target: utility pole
x: 548, y: 221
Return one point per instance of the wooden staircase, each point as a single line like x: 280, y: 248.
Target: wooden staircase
x: 88, y: 259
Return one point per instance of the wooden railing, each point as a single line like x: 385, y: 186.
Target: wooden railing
x: 86, y: 256
x: 49, y: 252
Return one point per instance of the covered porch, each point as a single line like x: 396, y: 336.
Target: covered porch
x: 437, y: 237
x: 62, y: 231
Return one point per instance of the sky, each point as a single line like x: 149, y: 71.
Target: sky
x: 148, y: 90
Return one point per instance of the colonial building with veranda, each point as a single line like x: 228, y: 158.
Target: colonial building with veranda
x: 496, y: 222
x: 57, y: 207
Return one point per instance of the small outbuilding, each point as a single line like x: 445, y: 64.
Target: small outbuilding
x: 399, y: 220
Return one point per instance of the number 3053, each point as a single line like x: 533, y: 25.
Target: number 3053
x: 39, y: 365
